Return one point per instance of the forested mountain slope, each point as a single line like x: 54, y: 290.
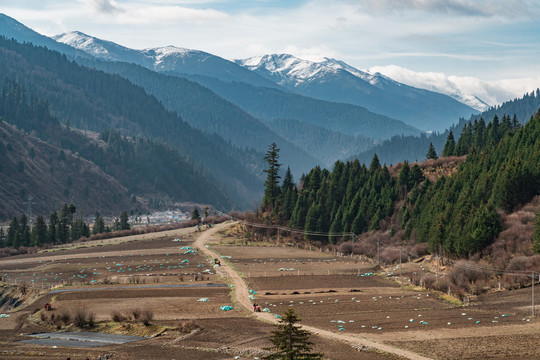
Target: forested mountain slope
x: 204, y: 110
x: 268, y: 103
x: 458, y: 213
x: 52, y: 176
x: 336, y: 81
x: 325, y: 144
x: 93, y: 100
x: 141, y: 167
x: 413, y: 148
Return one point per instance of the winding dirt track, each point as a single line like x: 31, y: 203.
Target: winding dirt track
x: 242, y: 296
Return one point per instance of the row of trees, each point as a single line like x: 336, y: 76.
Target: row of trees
x: 61, y: 228
x: 458, y: 214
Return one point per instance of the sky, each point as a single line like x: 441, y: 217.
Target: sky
x: 487, y: 48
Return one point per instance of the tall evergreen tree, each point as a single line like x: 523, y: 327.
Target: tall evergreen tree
x: 99, y: 225
x: 124, y: 224
x: 53, y: 224
x: 39, y: 232
x: 291, y: 342
x: 450, y: 145
x: 195, y: 215
x: 24, y: 231
x: 271, y: 185
x: 3, y: 239
x: 431, y: 154
x: 13, y: 235
x: 62, y: 228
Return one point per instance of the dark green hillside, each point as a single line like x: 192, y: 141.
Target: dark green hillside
x: 267, y: 103
x: 53, y: 176
x: 412, y: 148
x: 144, y: 167
x: 325, y: 144
x: 94, y: 100
x: 458, y: 213
x: 205, y: 110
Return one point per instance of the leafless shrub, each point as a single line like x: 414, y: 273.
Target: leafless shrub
x: 442, y: 284
x: 415, y: 279
x: 147, y: 316
x: 420, y: 249
x: 82, y: 318
x: 136, y: 313
x: 465, y: 272
x: 428, y: 281
x: 456, y: 291
x: 23, y: 288
x: 345, y: 247
x: 479, y: 286
x: 187, y: 326
x: 65, y: 316
x: 389, y: 256
x: 116, y: 316
x: 367, y: 248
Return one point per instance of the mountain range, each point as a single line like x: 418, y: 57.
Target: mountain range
x: 220, y: 115
x: 334, y: 80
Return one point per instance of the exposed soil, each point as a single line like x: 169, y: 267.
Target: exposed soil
x: 373, y: 310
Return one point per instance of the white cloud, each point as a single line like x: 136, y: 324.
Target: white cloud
x: 478, y: 8
x: 105, y: 6
x: 492, y: 92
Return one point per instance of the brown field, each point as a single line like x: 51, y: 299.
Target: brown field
x: 329, y: 293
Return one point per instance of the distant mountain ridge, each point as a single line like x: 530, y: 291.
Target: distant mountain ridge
x: 334, y: 80
x: 164, y: 59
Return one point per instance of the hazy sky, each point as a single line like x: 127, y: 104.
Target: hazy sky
x: 488, y: 48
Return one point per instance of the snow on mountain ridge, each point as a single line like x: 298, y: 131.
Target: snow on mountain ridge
x: 298, y: 71
x: 83, y: 42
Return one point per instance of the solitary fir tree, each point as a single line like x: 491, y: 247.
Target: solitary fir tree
x: 431, y: 154
x: 271, y: 185
x: 450, y: 145
x: 195, y: 215
x: 291, y: 341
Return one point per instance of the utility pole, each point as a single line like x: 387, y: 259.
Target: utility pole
x: 352, y: 246
x: 378, y: 252
x: 437, y: 274
x: 532, y: 295
x: 399, y: 262
x: 29, y: 203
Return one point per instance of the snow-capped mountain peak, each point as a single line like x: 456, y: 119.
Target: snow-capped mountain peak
x: 83, y: 42
x: 295, y: 71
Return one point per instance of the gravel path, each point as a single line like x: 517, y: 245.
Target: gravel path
x: 241, y: 293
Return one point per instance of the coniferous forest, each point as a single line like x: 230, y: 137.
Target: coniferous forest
x: 457, y: 213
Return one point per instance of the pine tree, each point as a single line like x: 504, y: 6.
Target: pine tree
x: 39, y: 232
x: 13, y: 234
x: 290, y: 341
x: 99, y: 225
x: 195, y: 215
x: 3, y: 240
x: 124, y: 224
x: 24, y: 231
x: 271, y: 185
x: 431, y: 154
x: 450, y: 145
x: 53, y: 224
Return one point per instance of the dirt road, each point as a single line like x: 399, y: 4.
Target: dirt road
x: 241, y: 293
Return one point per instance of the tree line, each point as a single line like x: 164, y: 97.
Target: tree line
x: 61, y: 228
x: 458, y: 214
